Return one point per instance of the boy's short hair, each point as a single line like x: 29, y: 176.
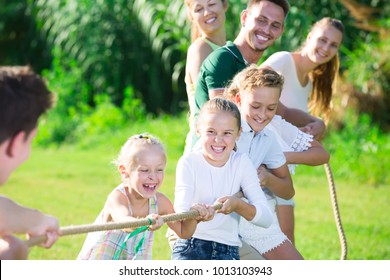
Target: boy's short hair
x: 282, y: 3
x: 24, y: 97
x: 254, y: 76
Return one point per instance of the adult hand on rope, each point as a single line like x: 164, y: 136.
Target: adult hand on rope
x: 49, y: 227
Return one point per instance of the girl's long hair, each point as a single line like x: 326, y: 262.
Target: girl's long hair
x: 324, y: 76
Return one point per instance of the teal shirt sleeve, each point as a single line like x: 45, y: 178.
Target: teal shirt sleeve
x: 220, y: 70
x: 216, y: 72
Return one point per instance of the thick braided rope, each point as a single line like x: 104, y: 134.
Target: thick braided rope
x: 80, y: 229
x: 336, y: 212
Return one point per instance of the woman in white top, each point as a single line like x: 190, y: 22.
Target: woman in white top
x: 309, y: 75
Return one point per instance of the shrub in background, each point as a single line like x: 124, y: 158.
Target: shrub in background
x: 359, y: 150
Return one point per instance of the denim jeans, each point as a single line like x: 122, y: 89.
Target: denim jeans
x: 198, y: 249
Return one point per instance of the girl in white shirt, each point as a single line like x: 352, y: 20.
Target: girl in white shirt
x: 215, y: 173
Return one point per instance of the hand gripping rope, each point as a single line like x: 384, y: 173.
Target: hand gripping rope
x: 80, y: 229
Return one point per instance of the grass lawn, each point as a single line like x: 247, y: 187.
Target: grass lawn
x: 72, y: 183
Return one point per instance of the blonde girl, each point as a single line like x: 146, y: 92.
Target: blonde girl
x: 141, y: 164
x: 310, y: 74
x: 215, y: 173
x: 256, y: 91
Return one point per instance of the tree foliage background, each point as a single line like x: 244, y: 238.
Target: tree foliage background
x: 124, y: 56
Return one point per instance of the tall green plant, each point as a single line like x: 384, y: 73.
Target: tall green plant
x: 143, y: 44
x: 20, y: 40
x: 120, y: 43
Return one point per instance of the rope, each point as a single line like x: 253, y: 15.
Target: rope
x: 336, y: 212
x: 80, y: 229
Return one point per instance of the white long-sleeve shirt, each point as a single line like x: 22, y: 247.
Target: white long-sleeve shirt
x: 199, y: 182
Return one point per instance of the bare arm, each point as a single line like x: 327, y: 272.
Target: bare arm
x: 117, y: 206
x: 12, y: 248
x: 15, y: 218
x: 303, y: 120
x: 277, y: 180
x: 315, y: 155
x: 213, y: 93
x: 196, y: 54
x: 118, y: 210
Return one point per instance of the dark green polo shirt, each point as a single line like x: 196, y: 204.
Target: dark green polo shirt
x: 217, y: 70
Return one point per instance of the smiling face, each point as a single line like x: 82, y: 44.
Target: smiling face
x: 263, y: 24
x: 218, y: 132
x: 146, y: 171
x: 258, y: 106
x: 323, y: 44
x: 208, y: 15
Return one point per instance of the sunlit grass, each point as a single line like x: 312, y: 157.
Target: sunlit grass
x: 72, y: 183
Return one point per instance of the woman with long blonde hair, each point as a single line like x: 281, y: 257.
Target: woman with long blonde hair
x: 207, y: 34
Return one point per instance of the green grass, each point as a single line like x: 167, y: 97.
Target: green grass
x: 72, y: 183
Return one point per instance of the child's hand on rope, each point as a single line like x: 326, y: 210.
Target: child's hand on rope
x: 206, y: 212
x: 157, y: 221
x: 229, y: 204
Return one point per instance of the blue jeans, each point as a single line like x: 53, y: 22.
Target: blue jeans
x: 198, y: 249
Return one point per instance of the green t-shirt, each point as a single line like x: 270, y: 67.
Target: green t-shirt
x: 216, y: 72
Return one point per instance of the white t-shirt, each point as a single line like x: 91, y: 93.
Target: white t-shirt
x: 199, y: 182
x: 262, y: 148
x: 294, y: 95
